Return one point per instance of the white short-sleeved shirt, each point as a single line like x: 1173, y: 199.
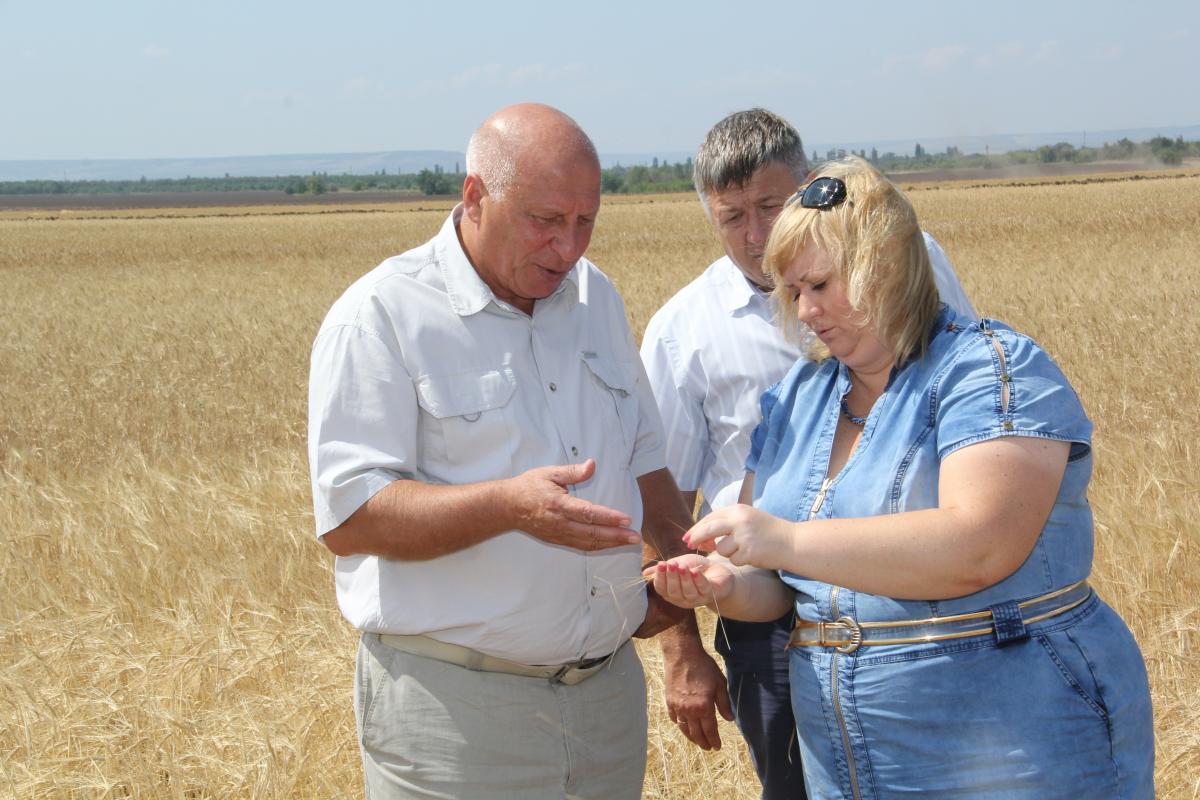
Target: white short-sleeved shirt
x: 710, y: 352
x: 419, y: 372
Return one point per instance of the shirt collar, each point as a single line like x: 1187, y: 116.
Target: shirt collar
x: 467, y: 292
x: 739, y: 293
x: 843, y: 382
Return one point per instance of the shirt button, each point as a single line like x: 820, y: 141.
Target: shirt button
x: 554, y: 387
x: 574, y: 450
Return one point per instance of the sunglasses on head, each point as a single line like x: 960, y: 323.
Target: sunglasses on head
x: 822, y: 193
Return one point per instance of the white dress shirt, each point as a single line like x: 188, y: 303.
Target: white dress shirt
x: 710, y: 352
x: 419, y: 372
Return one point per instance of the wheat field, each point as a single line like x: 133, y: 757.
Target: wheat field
x: 169, y: 627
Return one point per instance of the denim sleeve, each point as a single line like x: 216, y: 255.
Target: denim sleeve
x: 1001, y: 383
x: 766, y: 404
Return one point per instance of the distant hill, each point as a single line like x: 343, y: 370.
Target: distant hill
x: 405, y: 161
x: 412, y: 161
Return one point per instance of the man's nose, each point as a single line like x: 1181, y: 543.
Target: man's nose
x: 570, y: 244
x: 759, y: 228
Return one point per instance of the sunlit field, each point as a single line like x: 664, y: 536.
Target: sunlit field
x: 168, y: 627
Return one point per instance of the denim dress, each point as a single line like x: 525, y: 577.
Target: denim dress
x: 1056, y: 708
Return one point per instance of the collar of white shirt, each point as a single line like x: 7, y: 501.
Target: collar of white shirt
x: 741, y: 292
x: 467, y: 292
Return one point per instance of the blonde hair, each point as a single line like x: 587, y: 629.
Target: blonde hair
x: 877, y: 250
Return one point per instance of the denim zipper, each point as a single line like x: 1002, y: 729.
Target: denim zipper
x: 824, y: 490
x: 833, y: 664
x: 1004, y: 376
x: 837, y: 705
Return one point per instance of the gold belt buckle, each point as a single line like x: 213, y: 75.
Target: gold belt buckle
x: 856, y: 635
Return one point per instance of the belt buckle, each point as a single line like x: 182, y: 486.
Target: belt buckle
x: 575, y: 671
x: 856, y: 635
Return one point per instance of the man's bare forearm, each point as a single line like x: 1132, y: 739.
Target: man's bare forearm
x: 666, y: 518
x: 683, y: 638
x: 414, y: 521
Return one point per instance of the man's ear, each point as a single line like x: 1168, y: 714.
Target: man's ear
x: 473, y: 193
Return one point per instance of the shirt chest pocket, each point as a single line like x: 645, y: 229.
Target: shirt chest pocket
x: 616, y: 398
x: 466, y: 428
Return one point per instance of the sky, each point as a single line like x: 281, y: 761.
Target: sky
x: 169, y: 79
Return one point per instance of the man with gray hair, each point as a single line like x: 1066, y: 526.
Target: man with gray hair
x: 710, y: 352
x: 484, y: 450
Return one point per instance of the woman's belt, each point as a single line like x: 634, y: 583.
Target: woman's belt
x: 1006, y: 621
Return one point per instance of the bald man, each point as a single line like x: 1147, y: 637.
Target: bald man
x: 486, y: 458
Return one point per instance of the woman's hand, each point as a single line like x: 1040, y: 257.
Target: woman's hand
x: 691, y: 581
x: 746, y: 536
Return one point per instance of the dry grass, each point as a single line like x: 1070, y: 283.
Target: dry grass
x: 169, y: 627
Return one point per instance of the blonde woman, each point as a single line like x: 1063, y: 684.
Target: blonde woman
x: 919, y: 494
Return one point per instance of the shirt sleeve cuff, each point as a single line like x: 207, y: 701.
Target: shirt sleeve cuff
x: 335, y: 504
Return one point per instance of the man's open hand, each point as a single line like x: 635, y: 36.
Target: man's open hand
x: 541, y: 505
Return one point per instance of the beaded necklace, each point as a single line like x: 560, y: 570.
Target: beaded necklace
x: 853, y: 420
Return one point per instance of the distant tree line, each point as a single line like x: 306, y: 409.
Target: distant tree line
x: 658, y: 176
x: 1159, y: 150
x: 640, y: 179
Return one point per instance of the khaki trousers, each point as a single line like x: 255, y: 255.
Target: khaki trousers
x: 428, y: 729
